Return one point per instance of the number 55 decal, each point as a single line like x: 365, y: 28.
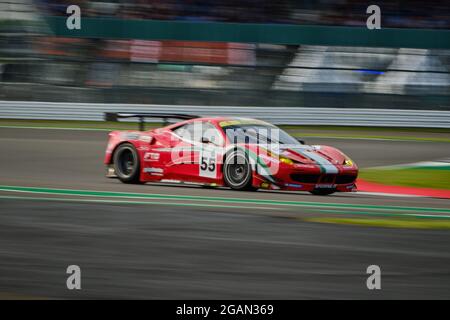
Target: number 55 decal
x: 208, y: 163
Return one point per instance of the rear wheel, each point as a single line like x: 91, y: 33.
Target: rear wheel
x: 237, y: 171
x: 322, y: 192
x: 126, y: 163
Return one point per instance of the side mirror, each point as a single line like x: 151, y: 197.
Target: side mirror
x: 206, y: 140
x: 300, y: 140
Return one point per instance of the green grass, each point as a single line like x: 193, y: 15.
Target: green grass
x: 366, y: 129
x: 386, y: 223
x: 412, y: 177
x: 369, y: 136
x: 68, y: 124
x: 385, y: 133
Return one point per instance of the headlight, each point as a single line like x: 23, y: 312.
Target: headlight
x: 286, y: 160
x: 348, y: 162
x: 280, y: 158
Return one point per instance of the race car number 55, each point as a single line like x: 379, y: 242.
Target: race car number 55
x: 208, y: 163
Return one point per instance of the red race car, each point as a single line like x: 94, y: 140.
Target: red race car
x: 240, y: 153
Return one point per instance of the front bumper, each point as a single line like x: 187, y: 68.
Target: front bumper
x: 308, y: 178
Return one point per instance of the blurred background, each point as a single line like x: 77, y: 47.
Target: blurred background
x: 39, y: 64
x: 312, y: 67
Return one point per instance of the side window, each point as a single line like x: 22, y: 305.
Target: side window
x: 190, y: 132
x: 185, y: 132
x: 195, y: 131
x: 210, y: 132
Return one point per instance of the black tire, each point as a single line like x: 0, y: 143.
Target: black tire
x: 322, y: 192
x: 126, y: 163
x: 237, y: 171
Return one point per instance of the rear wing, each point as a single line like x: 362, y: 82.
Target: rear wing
x: 115, y: 116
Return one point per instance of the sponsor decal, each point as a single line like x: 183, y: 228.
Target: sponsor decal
x: 265, y: 185
x: 228, y: 123
x: 294, y: 185
x: 151, y: 156
x: 325, y: 186
x: 145, y: 138
x: 130, y: 136
x: 171, y: 181
x: 109, y: 147
x: 164, y: 149
x: 153, y: 170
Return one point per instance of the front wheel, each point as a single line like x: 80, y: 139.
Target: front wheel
x: 237, y: 171
x: 322, y: 192
x: 126, y: 163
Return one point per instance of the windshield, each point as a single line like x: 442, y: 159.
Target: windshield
x: 258, y: 134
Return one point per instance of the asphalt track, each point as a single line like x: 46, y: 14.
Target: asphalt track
x: 159, y: 241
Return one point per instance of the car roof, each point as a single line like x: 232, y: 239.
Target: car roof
x: 218, y: 120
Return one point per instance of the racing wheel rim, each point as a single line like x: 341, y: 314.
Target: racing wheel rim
x: 126, y: 162
x: 237, y: 170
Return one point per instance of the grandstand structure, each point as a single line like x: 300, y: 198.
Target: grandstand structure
x: 18, y: 10
x: 366, y: 70
x: 41, y: 60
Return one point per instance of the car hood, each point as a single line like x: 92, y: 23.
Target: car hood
x: 307, y: 154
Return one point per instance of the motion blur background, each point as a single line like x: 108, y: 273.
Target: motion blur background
x: 39, y: 62
x: 380, y: 96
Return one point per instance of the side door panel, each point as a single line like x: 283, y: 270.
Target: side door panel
x: 197, y: 161
x: 156, y: 159
x: 180, y: 155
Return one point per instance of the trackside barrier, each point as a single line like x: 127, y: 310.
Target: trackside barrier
x: 277, y: 115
